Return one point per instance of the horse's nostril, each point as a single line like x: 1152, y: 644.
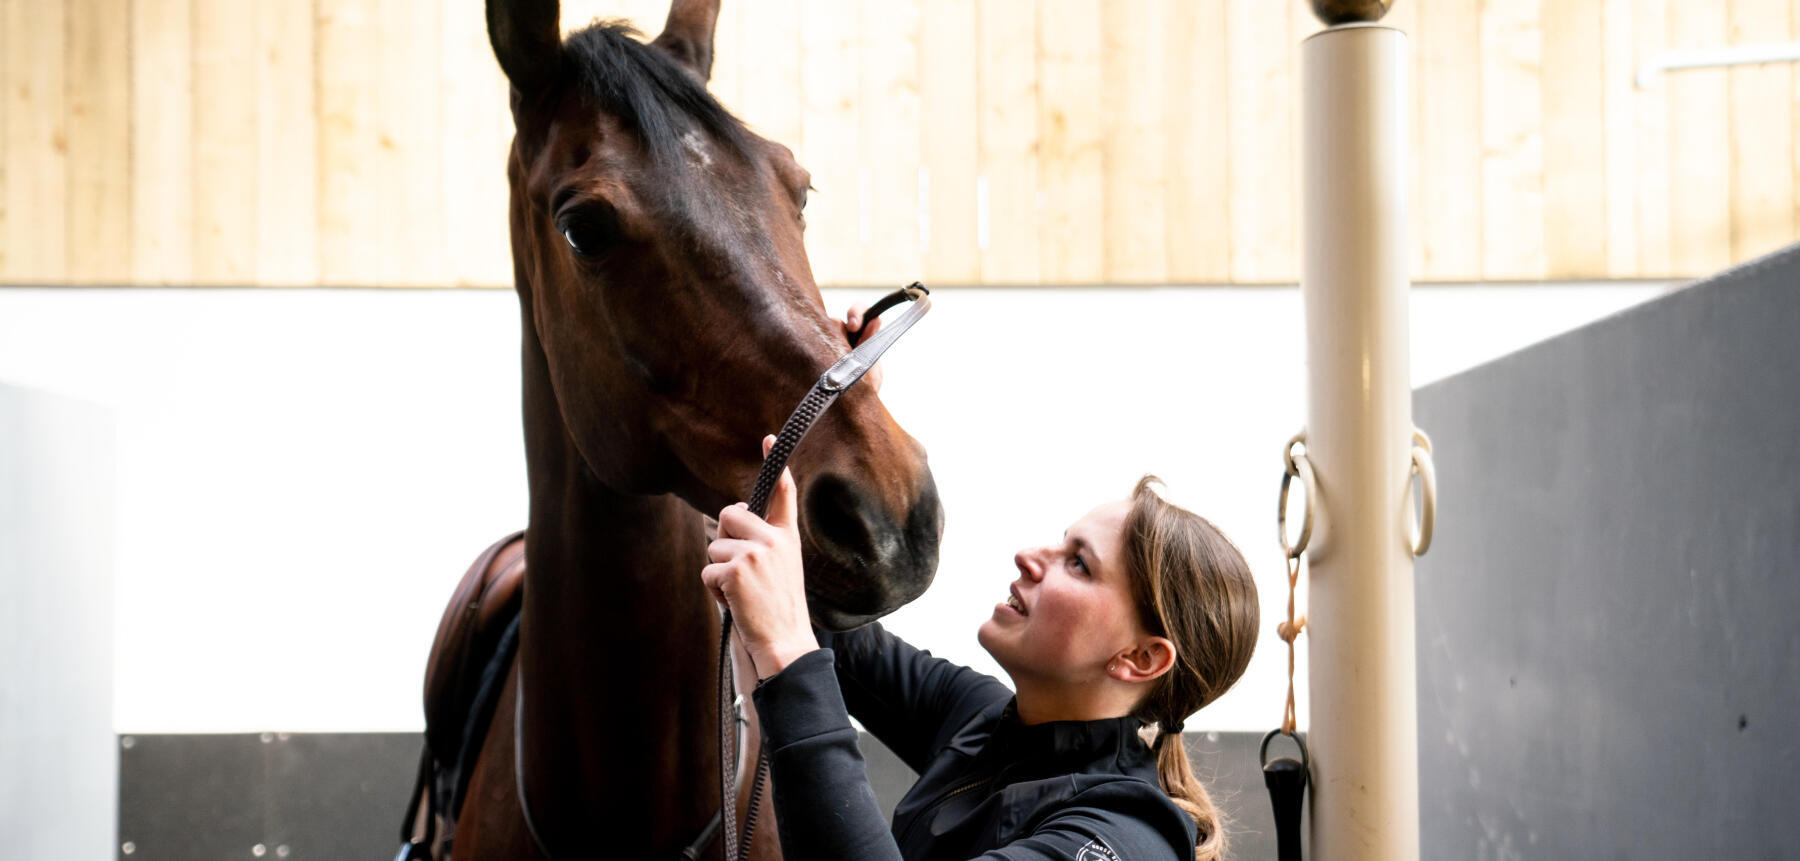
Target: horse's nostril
x: 866, y: 560
x: 845, y: 523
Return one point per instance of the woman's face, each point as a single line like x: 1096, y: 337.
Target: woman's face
x: 1071, y: 610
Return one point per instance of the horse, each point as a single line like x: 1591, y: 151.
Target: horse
x: 669, y: 320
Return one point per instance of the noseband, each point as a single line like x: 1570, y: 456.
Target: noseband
x: 834, y: 382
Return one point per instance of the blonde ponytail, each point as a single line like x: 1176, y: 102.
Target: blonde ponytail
x: 1193, y: 586
x: 1189, y: 794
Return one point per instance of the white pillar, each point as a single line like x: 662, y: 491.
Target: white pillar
x: 1363, y: 732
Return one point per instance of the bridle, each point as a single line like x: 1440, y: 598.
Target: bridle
x: 834, y: 382
x: 831, y: 385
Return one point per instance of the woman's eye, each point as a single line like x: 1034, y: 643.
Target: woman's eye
x: 591, y: 231
x: 1079, y: 564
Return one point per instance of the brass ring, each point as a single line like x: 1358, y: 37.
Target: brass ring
x: 1297, y: 465
x: 1427, y: 473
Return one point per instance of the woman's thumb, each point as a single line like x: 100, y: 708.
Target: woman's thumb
x: 783, y: 504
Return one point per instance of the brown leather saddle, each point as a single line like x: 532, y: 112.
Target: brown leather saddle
x: 476, y: 641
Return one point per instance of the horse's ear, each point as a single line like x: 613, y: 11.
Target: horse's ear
x: 527, y: 40
x: 688, y: 35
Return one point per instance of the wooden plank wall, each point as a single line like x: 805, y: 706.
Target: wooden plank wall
x: 362, y: 142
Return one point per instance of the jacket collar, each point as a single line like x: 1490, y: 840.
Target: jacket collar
x: 1070, y: 742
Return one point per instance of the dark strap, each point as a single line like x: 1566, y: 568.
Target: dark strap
x: 481, y: 711
x: 840, y: 376
x: 413, y: 847
x: 1286, y: 779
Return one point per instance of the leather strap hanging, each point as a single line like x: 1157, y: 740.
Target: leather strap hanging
x: 1286, y: 777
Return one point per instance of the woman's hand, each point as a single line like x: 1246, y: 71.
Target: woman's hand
x: 853, y: 321
x: 756, y: 571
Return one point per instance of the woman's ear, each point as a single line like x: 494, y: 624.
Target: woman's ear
x: 1147, y: 660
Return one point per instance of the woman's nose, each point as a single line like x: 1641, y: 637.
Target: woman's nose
x: 1030, y: 562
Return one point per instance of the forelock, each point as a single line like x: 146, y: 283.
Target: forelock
x: 659, y: 98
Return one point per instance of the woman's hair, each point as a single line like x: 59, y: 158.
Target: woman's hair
x: 1191, y: 585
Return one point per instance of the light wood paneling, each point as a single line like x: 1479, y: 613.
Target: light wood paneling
x: 350, y: 144
x: 363, y: 142
x: 1448, y: 50
x: 1699, y: 144
x: 1761, y: 135
x: 830, y: 136
x: 286, y: 206
x: 35, y: 160
x: 225, y: 117
x: 1650, y: 37
x: 949, y: 146
x: 1574, y: 166
x: 1075, y: 137
x: 1262, y: 116
x: 98, y: 234
x: 771, y: 100
x: 410, y: 134
x: 890, y: 143
x: 477, y: 138
x: 1198, y: 149
x: 1136, y: 189
x: 1620, y: 138
x: 1512, y: 141
x: 162, y: 165
x: 1006, y: 80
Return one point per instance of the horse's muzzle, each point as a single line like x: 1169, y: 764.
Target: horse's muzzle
x: 866, y: 560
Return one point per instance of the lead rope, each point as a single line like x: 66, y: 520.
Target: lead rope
x: 1286, y: 777
x: 839, y: 377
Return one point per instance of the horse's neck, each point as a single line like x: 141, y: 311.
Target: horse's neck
x: 617, y: 647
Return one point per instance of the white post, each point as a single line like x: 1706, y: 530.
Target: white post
x: 1363, y: 735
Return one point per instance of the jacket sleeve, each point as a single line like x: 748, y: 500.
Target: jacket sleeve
x: 824, y: 806
x: 1125, y: 820
x: 910, y: 700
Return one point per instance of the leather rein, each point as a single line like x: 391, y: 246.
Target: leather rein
x: 834, y: 382
x: 831, y: 385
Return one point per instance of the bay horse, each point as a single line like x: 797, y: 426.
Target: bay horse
x: 669, y: 321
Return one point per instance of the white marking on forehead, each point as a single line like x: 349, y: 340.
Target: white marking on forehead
x: 696, y: 147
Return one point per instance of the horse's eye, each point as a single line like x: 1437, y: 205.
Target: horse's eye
x: 591, y: 230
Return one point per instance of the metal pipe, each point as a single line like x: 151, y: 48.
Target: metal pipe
x: 1702, y: 58
x: 1354, y: 279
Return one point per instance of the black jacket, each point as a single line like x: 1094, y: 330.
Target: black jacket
x: 988, y: 785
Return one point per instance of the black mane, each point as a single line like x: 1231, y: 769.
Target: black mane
x: 649, y: 89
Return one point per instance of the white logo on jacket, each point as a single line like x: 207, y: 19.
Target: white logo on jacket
x: 1096, y: 850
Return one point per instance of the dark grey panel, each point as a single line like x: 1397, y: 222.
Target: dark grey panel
x: 1606, y: 622
x: 302, y: 796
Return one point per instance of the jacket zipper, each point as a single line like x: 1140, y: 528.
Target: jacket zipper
x: 973, y: 784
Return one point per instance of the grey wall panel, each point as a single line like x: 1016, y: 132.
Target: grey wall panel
x: 340, y: 795
x: 271, y: 795
x: 58, y: 775
x: 1608, y: 652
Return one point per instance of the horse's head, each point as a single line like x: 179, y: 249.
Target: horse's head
x: 658, y: 253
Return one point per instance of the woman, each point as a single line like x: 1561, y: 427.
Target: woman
x: 1139, y: 616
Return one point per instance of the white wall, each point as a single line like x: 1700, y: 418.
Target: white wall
x: 303, y: 474
x: 59, y: 773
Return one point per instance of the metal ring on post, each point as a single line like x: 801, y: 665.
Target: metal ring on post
x: 1427, y: 473
x: 1305, y: 760
x: 1296, y: 465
